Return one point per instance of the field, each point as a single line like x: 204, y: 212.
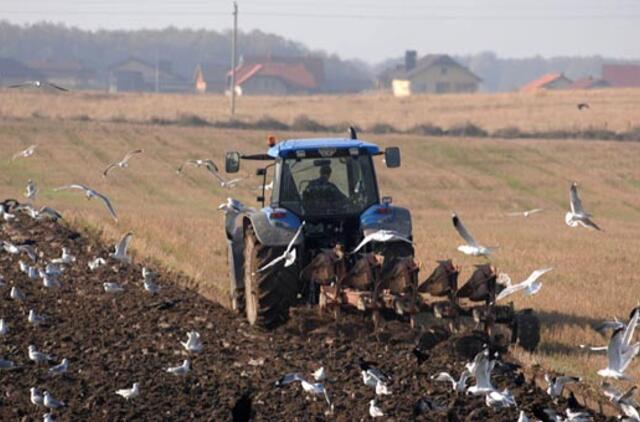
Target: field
x: 174, y: 218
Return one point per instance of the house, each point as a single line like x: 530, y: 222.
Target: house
x: 13, y: 72
x: 279, y: 76
x: 134, y: 74
x: 433, y: 73
x: 211, y: 77
x: 549, y: 81
x: 69, y: 74
x: 621, y: 75
x: 589, y: 83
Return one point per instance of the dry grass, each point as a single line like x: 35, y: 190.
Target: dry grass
x: 614, y: 109
x: 175, y: 219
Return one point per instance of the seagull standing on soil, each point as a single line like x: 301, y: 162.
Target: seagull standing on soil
x: 66, y: 258
x: 3, y: 328
x: 97, y: 262
x: 112, y: 288
x: 577, y: 215
x: 374, y: 377
x: 25, y: 153
x: 121, y: 247
x: 130, y: 393
x: 149, y: 281
x: 180, y: 370
x: 555, y: 385
x: 530, y: 286
x: 16, y: 294
x: 524, y: 214
x: 289, y: 255
x: 471, y: 247
x: 38, y: 357
x: 499, y: 399
x: 122, y: 164
x: 31, y: 190
x: 193, y: 343
x: 523, y: 417
x: 459, y: 386
x: 91, y: 193
x: 60, y: 368
x: 47, y: 418
x: 49, y: 280
x: 35, y: 319
x: 320, y: 374
x: 51, y: 402
x: 374, y: 410
x: 36, y: 396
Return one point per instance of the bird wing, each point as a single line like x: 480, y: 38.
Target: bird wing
x: 123, y: 244
x: 211, y: 166
x: 381, y: 236
x: 535, y: 210
x: 630, y: 328
x: 614, y: 351
x: 107, y: 203
x: 444, y: 376
x: 58, y: 87
x: 272, y: 263
x: 588, y: 223
x: 535, y: 276
x: 289, y: 378
x: 576, y: 203
x: 72, y: 186
x: 515, y: 214
x: 295, y: 238
x: 106, y: 171
x: 462, y: 231
x: 514, y: 288
x: 131, y: 154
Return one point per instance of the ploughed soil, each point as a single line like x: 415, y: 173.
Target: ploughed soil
x: 114, y: 340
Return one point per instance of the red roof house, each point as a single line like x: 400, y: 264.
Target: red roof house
x: 550, y: 81
x: 271, y: 76
x: 622, y: 75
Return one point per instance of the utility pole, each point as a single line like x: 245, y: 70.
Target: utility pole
x: 233, y: 57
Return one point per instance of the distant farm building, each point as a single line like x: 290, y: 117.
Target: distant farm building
x: 211, y: 77
x: 550, y: 81
x: 14, y: 72
x: 589, y: 83
x: 622, y: 75
x: 134, y: 74
x: 279, y: 76
x: 434, y: 74
x: 68, y: 74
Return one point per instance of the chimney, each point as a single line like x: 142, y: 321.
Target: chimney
x: 410, y: 58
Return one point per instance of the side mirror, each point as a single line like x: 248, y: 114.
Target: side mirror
x: 232, y: 162
x: 392, y: 157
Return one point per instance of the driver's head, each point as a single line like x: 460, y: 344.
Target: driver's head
x: 325, y: 171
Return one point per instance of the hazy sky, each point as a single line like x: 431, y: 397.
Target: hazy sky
x: 377, y: 29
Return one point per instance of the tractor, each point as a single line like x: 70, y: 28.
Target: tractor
x: 345, y: 244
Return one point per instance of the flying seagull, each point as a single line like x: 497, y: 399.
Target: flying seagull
x: 121, y: 247
x: 619, y: 356
x: 471, y: 247
x: 97, y: 262
x: 206, y: 163
x: 39, y: 84
x: 577, y: 215
x: 458, y: 386
x: 382, y: 236
x: 124, y: 163
x: 41, y: 214
x: 316, y: 389
x: 555, y: 385
x: 480, y: 369
x: 129, y: 393
x: 525, y: 214
x: 531, y: 286
x: 91, y: 193
x: 289, y: 255
x: 25, y: 153
x: 31, y: 191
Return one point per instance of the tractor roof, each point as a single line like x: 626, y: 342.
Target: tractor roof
x: 283, y: 148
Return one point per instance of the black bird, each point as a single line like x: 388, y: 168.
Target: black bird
x: 371, y: 368
x: 582, y: 106
x: 420, y: 355
x: 241, y: 411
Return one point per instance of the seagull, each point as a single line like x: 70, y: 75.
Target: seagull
x: 3, y: 327
x: 523, y: 417
x: 619, y: 355
x: 577, y: 215
x: 35, y: 319
x: 130, y: 393
x: 121, y: 247
x: 624, y: 400
x: 112, y: 287
x: 480, y: 369
x: 555, y: 385
x: 499, y: 399
x: 289, y: 255
x: 424, y: 405
x: 525, y: 214
x: 458, y: 386
x: 530, y: 286
x: 227, y: 184
x: 97, y: 262
x: 38, y: 357
x: 149, y: 281
x: 66, y: 258
x: 16, y: 294
x: 50, y: 402
x: 193, y: 343
x: 24, y: 267
x: 575, y: 412
x: 6, y: 216
x: 91, y: 193
x: 26, y: 153
x: 41, y: 214
x: 382, y: 236
x: 33, y: 273
x: 49, y: 280
x: 317, y: 388
x: 39, y: 84
x: 320, y: 374
x: 36, y: 396
x: 180, y: 370
x: 54, y: 269
x: 374, y: 410
x: 374, y: 377
x: 122, y: 164
x: 206, y: 163
x: 60, y: 368
x: 471, y: 247
x: 47, y: 418
x: 2, y: 283
x: 16, y: 249
x: 31, y: 190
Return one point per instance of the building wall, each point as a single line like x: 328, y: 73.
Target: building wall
x: 443, y: 79
x: 401, y: 87
x: 264, y: 85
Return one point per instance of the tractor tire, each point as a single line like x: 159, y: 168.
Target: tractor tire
x: 268, y: 294
x: 526, y: 330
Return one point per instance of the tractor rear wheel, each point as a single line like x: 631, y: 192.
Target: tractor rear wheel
x: 526, y: 330
x: 268, y: 294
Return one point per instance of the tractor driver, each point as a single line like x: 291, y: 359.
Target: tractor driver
x: 321, y: 190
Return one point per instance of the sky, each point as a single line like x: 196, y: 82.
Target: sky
x: 374, y: 30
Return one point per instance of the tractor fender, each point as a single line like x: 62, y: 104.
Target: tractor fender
x: 272, y: 231
x: 386, y: 217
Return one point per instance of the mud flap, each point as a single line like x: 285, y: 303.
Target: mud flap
x: 235, y: 260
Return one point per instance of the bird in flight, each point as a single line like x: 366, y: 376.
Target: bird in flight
x: 525, y: 214
x: 124, y: 163
x: 289, y: 255
x: 25, y: 153
x: 578, y: 215
x: 91, y: 193
x: 471, y: 247
x: 39, y: 84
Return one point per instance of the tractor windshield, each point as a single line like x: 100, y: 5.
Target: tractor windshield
x: 321, y: 186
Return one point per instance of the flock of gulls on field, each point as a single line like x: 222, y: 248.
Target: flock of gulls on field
x: 620, y: 350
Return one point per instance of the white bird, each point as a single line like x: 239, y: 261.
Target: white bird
x: 49, y: 280
x: 317, y: 388
x: 481, y: 369
x: 2, y: 283
x: 16, y: 294
x: 38, y: 357
x: 39, y: 84
x: 130, y: 393
x: 619, y: 356
x: 47, y: 417
x: 36, y: 396
x: 16, y: 249
x: 54, y: 269
x: 33, y: 273
x: 374, y: 377
x: 149, y: 281
x: 34, y: 318
x: 382, y: 236
x: 24, y: 267
x: 525, y: 214
x: 206, y: 163
x: 227, y: 184
x: 374, y: 410
x: 577, y: 215
x: 523, y: 417
x: 97, y: 262
x: 25, y: 153
x: 60, y: 368
x: 66, y: 258
x: 91, y: 193
x: 193, y: 343
x: 6, y: 216
x: 42, y: 214
x: 289, y: 255
x: 499, y: 399
x: 121, y: 247
x: 4, y: 329
x: 31, y: 191
x: 530, y: 286
x: 180, y: 370
x: 112, y: 288
x: 51, y: 402
x: 471, y: 247
x: 122, y: 164
x: 555, y: 385
x: 458, y: 386
x: 320, y: 374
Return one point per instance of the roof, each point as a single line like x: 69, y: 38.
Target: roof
x: 621, y: 75
x: 295, y: 74
x: 588, y: 83
x: 282, y: 148
x: 213, y: 71
x: 10, y: 68
x: 163, y: 73
x: 423, y: 64
x: 543, y: 81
